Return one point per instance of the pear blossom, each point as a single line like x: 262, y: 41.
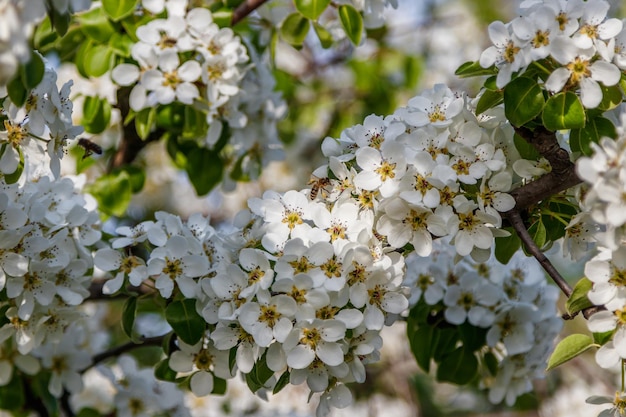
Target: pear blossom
x: 508, y: 53
x: 315, y: 339
x: 438, y: 106
x: 204, y: 361
x: 580, y: 70
x: 268, y: 318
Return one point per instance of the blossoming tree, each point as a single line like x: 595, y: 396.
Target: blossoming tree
x: 427, y: 214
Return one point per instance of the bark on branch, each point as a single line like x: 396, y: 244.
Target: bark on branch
x: 562, y: 176
x: 244, y: 9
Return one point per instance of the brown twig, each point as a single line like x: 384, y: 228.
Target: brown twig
x: 131, y: 143
x: 561, y: 177
x: 244, y: 9
x: 518, y: 225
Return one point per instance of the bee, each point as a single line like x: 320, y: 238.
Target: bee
x: 89, y: 147
x: 316, y: 185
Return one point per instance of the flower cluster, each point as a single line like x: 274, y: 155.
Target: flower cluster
x: 45, y: 121
x: 187, y: 58
x: 432, y: 168
x: 307, y: 279
x: 573, y: 41
x: 603, y: 203
x: 312, y: 309
x: 17, y: 20
x: 46, y: 230
x: 513, y: 302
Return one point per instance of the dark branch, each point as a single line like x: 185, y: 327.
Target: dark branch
x: 518, y: 224
x: 244, y: 9
x: 116, y: 351
x: 562, y: 176
x: 131, y: 144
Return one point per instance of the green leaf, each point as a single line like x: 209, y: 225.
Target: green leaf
x: 459, y: 367
x: 205, y: 169
x: 185, y: 320
x: 311, y: 9
x: 136, y: 175
x: 60, y: 22
x: 144, y: 122
x: 446, y: 342
x: 352, y: 22
x: 564, y: 111
x: 283, y: 381
x: 17, y: 92
x: 294, y: 29
x: 163, y: 372
x: 488, y: 100
x: 595, y: 129
x: 473, y: 69
x: 39, y: 385
x: 171, y: 117
x: 578, y: 300
x: 12, y: 394
x: 113, y: 192
x: 194, y: 125
x: 117, y: 9
x: 422, y: 343
x: 491, y: 363
x: 121, y: 45
x: 525, y: 149
x: 219, y: 386
x: 32, y: 72
x: 96, y: 25
x: 129, y: 313
x: 523, y: 100
x: 79, y: 59
x: 326, y: 39
x: 259, y: 374
x: 538, y: 232
x: 96, y: 114
x: 89, y: 412
x: 611, y: 97
x: 232, y: 358
x: 602, y: 338
x: 507, y: 246
x: 474, y: 338
x: 223, y: 17
x: 568, y: 348
x: 98, y: 60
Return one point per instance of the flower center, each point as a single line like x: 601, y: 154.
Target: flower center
x: 269, y: 315
x: 542, y: 38
x: 510, y: 51
x: 386, y: 171
x: 203, y: 360
x: 579, y: 69
x: 416, y: 220
x: 301, y: 265
x: 332, y: 267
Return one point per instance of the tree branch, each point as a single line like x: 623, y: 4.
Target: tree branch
x: 131, y: 144
x: 518, y: 224
x: 244, y: 9
x: 144, y: 341
x: 562, y: 176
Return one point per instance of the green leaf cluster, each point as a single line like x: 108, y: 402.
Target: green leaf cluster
x: 457, y: 351
x: 297, y: 25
